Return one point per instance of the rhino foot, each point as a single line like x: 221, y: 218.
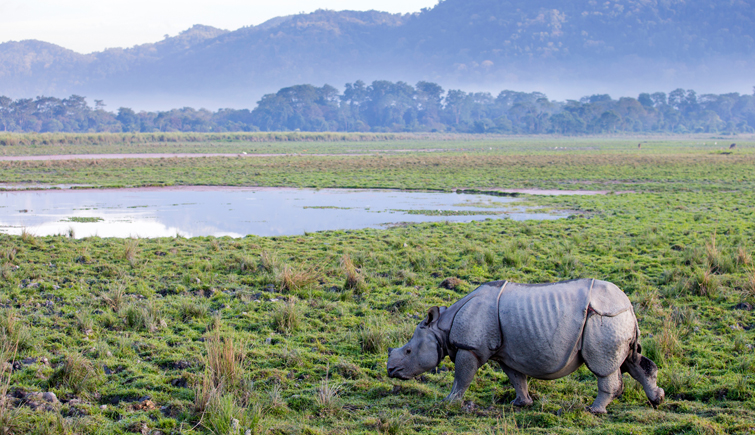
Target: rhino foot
x: 659, y: 396
x: 596, y: 410
x: 522, y: 402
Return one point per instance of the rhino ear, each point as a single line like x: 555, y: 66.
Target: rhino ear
x: 433, y: 314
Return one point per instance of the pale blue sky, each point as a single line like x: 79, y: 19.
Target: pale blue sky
x: 93, y: 25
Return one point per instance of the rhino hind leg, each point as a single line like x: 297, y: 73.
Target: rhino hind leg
x: 519, y: 382
x: 607, y: 343
x: 609, y: 388
x: 466, y: 366
x: 646, y: 373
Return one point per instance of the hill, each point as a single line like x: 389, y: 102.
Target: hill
x: 619, y: 45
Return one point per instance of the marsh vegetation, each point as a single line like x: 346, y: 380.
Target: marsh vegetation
x: 289, y: 334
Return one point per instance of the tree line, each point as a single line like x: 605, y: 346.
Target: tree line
x: 385, y: 106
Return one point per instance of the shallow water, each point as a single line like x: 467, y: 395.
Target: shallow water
x: 236, y: 212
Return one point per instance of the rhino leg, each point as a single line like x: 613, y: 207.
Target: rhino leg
x: 467, y: 365
x: 609, y: 388
x: 646, y: 373
x: 519, y: 382
x: 605, y: 347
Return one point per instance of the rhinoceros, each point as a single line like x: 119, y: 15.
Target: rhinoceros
x: 545, y: 331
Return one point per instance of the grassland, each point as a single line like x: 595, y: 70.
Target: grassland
x: 289, y: 334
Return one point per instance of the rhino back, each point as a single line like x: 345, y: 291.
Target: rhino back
x: 606, y: 299
x: 475, y: 325
x: 542, y: 325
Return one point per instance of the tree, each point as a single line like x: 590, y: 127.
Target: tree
x: 646, y: 100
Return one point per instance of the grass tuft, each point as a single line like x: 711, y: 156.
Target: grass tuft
x: 327, y: 395
x: 140, y: 316
x: 189, y: 309
x: 373, y: 337
x: 115, y: 297
x: 704, y: 283
x: 268, y: 262
x: 77, y: 374
x: 286, y: 316
x: 13, y: 332
x: 130, y: 251
x: 743, y: 257
x: 224, y: 362
x: 354, y: 279
x: 291, y: 279
x: 8, y: 418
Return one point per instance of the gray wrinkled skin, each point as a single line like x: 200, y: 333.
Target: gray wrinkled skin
x: 545, y: 331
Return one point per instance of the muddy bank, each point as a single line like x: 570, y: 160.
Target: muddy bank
x: 552, y: 192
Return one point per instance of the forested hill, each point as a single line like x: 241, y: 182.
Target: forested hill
x: 385, y: 106
x: 462, y: 43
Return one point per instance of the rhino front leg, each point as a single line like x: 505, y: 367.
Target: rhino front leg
x: 609, y: 388
x: 519, y: 382
x: 467, y: 365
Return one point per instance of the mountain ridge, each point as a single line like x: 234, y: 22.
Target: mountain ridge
x: 477, y: 43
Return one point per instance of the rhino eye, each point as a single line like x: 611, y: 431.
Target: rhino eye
x: 408, y: 351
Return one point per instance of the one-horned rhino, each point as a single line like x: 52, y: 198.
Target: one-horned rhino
x: 545, y: 331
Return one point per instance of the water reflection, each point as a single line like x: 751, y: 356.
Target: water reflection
x: 236, y: 212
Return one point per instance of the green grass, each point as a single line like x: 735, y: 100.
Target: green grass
x: 612, y: 165
x: 287, y: 335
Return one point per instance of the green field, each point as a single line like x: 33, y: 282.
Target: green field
x: 288, y: 335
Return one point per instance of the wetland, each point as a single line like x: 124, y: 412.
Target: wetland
x: 287, y: 334
x: 192, y: 211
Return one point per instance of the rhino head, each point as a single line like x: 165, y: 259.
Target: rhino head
x: 422, y: 353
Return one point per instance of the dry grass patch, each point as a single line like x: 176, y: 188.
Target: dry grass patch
x: 354, y: 279
x: 224, y: 361
x: 291, y: 279
x: 749, y: 286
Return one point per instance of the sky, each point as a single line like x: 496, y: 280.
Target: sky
x: 86, y: 26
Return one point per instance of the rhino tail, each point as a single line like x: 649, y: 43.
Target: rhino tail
x: 635, y: 349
